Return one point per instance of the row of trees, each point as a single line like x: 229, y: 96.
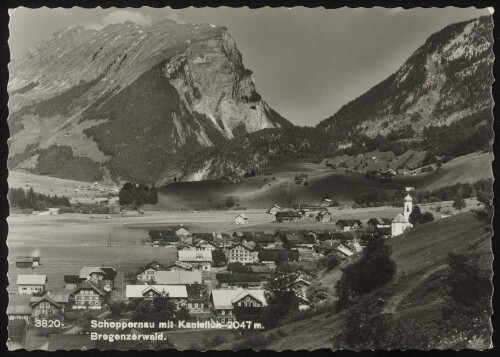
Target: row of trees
x: 134, y: 196
x: 29, y: 199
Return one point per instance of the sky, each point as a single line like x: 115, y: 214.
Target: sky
x: 307, y: 62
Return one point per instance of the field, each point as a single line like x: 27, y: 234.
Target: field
x: 279, y: 188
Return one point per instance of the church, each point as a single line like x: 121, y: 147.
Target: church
x: 402, y: 221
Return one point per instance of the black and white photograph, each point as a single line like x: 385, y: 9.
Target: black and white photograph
x: 232, y: 178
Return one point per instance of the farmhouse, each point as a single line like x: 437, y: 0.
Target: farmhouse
x: 200, y: 260
x: 241, y: 219
x: 204, y: 245
x: 180, y: 231
x: 264, y: 240
x: 347, y: 225
x: 179, y: 277
x: 288, y: 216
x: 19, y: 312
x: 30, y: 284
x: 103, y: 276
x: 374, y: 223
x: 329, y: 247
x: 300, y: 287
x: 242, y: 252
x: 178, y: 266
x: 402, y: 221
x: 71, y: 281
x: 324, y: 216
x: 278, y: 255
x: 24, y: 262
x: 241, y: 304
x: 176, y: 293
x: 274, y: 209
x: 238, y: 280
x: 49, y: 306
x: 165, y: 236
x: 87, y: 296
x: 149, y: 271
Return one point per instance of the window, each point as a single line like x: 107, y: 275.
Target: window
x: 223, y: 312
x: 223, y: 320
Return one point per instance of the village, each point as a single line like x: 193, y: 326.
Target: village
x: 217, y: 278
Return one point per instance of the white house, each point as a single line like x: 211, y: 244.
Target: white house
x: 224, y: 302
x: 176, y: 293
x: 241, y: 219
x: 200, y: 260
x: 402, y: 221
x: 30, y: 284
x: 242, y: 253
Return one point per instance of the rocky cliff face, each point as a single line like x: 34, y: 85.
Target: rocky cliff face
x: 128, y: 100
x: 447, y: 79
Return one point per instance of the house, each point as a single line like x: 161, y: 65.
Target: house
x: 300, y: 287
x: 264, y: 240
x: 347, y: 225
x: 241, y: 304
x: 87, y: 296
x: 278, y: 255
x: 204, y: 245
x: 16, y: 338
x: 402, y: 221
x: 51, y: 306
x: 274, y: 209
x: 306, y: 241
x: 178, y: 266
x: 149, y: 271
x: 384, y: 232
x: 374, y: 223
x: 31, y: 284
x: 241, y: 219
x: 242, y: 252
x: 176, y: 293
x: 19, y: 312
x: 196, y: 302
x: 166, y: 236
x: 24, y: 262
x: 179, y: 277
x: 200, y: 260
x: 103, y: 276
x: 239, y: 280
x: 324, y: 216
x: 181, y: 231
x: 329, y: 247
x: 288, y: 216
x: 71, y: 281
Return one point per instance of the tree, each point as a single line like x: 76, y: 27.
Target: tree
x: 230, y: 201
x: 219, y: 258
x: 153, y: 196
x: 281, y: 298
x: 459, y: 204
x: 373, y: 270
x: 415, y: 216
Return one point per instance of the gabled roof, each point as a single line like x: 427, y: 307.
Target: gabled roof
x: 380, y: 221
x: 306, y: 239
x: 160, y: 233
x: 179, y: 277
x: 153, y: 265
x: 204, y: 242
x: 264, y: 238
x: 238, y: 278
x: 87, y: 284
x: 24, y: 260
x: 290, y: 214
x: 322, y: 213
x: 173, y: 291
x: 176, y: 228
x: 195, y: 256
x: 35, y: 300
x: 328, y: 244
x: 278, y: 255
x: 180, y: 265
x: 344, y: 250
x: 107, y: 272
x: 225, y: 298
x: 301, y: 281
x: 33, y: 279
x: 244, y: 216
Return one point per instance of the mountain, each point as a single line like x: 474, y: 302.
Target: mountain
x: 446, y: 82
x: 438, y: 103
x: 124, y: 102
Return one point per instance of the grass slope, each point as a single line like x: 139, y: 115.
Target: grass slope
x: 262, y: 192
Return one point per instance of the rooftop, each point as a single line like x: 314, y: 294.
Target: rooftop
x: 31, y: 279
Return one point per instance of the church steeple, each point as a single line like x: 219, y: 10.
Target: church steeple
x: 408, y: 204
